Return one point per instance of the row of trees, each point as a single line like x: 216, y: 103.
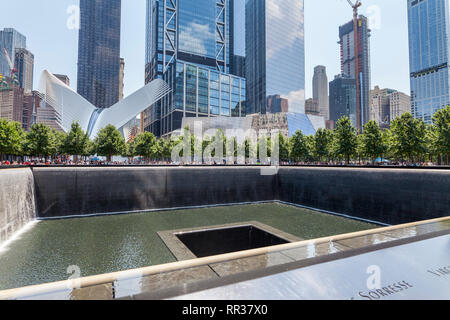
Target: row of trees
x: 408, y: 139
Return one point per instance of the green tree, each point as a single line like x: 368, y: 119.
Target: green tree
x: 166, y: 145
x: 408, y: 138
x: 345, y: 139
x: 76, y: 141
x: 284, y: 147
x: 372, y: 144
x: 11, y: 137
x: 130, y: 149
x: 57, y: 143
x: 441, y: 140
x: 299, y: 148
x: 109, y: 142
x: 322, y: 144
x: 40, y: 141
x: 310, y: 156
x: 145, y: 145
x: 90, y: 149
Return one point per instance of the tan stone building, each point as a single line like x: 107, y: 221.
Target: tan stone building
x: 400, y: 103
x: 387, y: 104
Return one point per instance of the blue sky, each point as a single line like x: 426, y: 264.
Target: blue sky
x: 55, y: 46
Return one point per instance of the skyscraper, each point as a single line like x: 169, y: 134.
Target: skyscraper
x: 189, y: 45
x: 429, y: 32
x: 99, y: 51
x: 320, y: 91
x: 347, y: 44
x: 343, y: 99
x: 275, y: 53
x: 10, y: 39
x: 24, y: 63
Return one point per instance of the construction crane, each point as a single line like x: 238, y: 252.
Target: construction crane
x: 11, y: 66
x: 355, y: 6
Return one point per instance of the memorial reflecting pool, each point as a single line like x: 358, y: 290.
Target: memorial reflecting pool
x: 104, y: 244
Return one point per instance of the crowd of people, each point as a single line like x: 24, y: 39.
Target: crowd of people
x: 138, y: 161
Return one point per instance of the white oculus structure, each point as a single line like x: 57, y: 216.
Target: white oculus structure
x: 71, y: 107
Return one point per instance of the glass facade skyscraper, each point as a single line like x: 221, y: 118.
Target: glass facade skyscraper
x: 10, y: 39
x: 343, y: 99
x: 429, y: 32
x: 275, y: 54
x: 190, y: 46
x: 24, y: 62
x: 99, y: 51
x: 347, y: 44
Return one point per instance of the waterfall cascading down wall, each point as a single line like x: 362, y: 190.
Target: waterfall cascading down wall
x: 390, y: 196
x: 17, y: 201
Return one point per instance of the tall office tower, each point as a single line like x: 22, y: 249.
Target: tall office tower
x: 237, y: 29
x: 343, y: 99
x: 347, y: 43
x: 320, y: 91
x: 275, y: 54
x: 10, y: 39
x: 24, y: 62
x: 189, y: 46
x: 99, y: 51
x: 429, y: 32
x: 121, y: 78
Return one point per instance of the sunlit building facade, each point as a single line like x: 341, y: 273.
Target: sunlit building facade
x: 190, y: 46
x: 275, y: 54
x: 429, y: 32
x: 63, y: 106
x: 99, y: 51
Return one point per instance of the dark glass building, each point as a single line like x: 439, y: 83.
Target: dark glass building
x: 190, y: 46
x: 343, y: 98
x: 429, y: 49
x: 275, y: 54
x: 99, y: 51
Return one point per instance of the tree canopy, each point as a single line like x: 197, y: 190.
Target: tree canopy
x: 109, y: 142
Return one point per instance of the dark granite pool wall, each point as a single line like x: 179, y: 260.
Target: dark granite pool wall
x: 390, y: 196
x: 17, y: 204
x: 80, y: 191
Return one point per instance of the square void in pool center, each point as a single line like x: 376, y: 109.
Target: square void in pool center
x: 210, y: 241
